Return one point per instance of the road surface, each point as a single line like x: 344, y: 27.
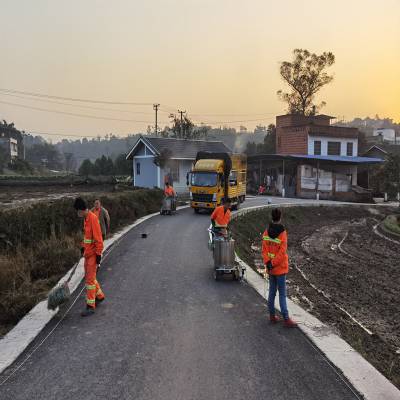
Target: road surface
x: 168, y: 331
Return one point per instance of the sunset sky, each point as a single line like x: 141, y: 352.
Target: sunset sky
x: 217, y: 59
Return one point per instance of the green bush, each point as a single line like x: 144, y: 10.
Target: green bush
x: 391, y: 223
x: 40, y: 242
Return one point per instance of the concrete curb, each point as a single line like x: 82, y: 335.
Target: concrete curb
x: 13, y: 344
x: 360, y: 373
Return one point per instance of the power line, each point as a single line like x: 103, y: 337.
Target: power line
x: 73, y: 114
x: 75, y: 105
x: 233, y: 115
x: 236, y: 121
x: 73, y: 98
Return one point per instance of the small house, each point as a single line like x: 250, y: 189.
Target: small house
x: 157, y: 160
x: 314, y: 160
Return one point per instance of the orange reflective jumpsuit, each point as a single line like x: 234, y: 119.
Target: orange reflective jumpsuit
x: 169, y: 191
x: 93, y: 245
x: 220, y: 217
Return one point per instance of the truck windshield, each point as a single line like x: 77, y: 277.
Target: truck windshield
x: 204, y: 179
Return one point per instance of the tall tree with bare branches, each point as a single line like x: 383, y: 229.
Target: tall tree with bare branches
x: 305, y: 75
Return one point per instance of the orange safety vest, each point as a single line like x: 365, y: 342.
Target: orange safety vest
x: 221, y: 217
x: 169, y: 191
x: 92, y: 237
x: 275, y: 250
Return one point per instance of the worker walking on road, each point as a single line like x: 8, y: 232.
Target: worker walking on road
x: 103, y: 216
x: 92, y: 247
x: 221, y: 217
x: 274, y: 252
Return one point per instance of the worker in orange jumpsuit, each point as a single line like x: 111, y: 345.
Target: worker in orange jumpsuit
x: 221, y: 217
x: 92, y: 247
x: 169, y: 190
x: 274, y: 253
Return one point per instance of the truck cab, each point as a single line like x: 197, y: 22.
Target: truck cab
x: 212, y: 179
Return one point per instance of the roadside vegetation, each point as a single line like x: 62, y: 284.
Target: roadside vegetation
x: 39, y: 243
x: 392, y: 224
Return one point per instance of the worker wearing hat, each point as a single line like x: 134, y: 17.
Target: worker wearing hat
x: 92, y: 247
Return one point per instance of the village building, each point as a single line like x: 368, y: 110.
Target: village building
x: 314, y: 159
x: 157, y: 160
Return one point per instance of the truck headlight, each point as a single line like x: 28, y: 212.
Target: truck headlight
x: 214, y: 198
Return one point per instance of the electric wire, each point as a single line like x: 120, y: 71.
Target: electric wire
x: 74, y: 114
x: 47, y: 96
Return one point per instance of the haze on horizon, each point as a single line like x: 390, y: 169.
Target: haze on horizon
x: 219, y: 60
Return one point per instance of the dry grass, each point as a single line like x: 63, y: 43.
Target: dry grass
x: 40, y: 243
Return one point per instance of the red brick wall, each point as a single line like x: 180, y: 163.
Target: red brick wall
x: 292, y: 140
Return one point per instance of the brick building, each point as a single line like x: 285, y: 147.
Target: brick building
x: 314, y: 159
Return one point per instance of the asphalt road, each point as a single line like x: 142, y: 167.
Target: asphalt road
x: 168, y: 331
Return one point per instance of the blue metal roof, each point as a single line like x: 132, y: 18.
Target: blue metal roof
x: 345, y: 159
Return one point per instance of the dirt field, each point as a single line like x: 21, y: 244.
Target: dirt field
x: 15, y: 196
x: 342, y: 272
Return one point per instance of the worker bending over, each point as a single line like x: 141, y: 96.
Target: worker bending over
x: 92, y: 247
x: 221, y: 217
x: 274, y: 252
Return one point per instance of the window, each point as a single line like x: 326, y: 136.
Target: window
x: 317, y: 147
x: 204, y: 179
x: 333, y: 148
x: 349, y: 149
x: 138, y: 168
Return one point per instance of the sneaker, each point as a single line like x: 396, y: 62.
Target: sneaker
x: 289, y: 323
x: 88, y: 312
x: 274, y: 319
x: 98, y: 301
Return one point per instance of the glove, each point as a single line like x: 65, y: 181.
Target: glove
x: 269, y: 266
x: 98, y: 259
x: 82, y: 251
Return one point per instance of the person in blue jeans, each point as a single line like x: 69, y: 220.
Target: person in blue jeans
x: 276, y: 261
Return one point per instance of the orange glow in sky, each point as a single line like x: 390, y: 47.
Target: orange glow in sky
x: 217, y: 59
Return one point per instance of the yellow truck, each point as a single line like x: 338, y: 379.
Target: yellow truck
x: 216, y: 176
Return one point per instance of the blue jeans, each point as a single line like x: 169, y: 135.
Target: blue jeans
x: 278, y: 282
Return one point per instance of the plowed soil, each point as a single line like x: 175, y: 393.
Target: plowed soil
x: 342, y: 272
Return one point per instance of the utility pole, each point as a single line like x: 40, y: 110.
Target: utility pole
x: 155, y: 108
x: 181, y: 112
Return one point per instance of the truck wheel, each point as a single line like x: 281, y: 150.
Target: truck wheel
x: 196, y: 210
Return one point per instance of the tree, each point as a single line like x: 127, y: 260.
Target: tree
x: 3, y: 158
x: 182, y: 130
x: 44, y: 154
x: 305, y: 76
x: 70, y: 162
x: 260, y: 129
x: 21, y: 166
x: 386, y: 177
x: 122, y: 166
x: 86, y: 168
x: 267, y: 147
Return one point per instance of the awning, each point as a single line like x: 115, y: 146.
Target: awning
x: 305, y: 158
